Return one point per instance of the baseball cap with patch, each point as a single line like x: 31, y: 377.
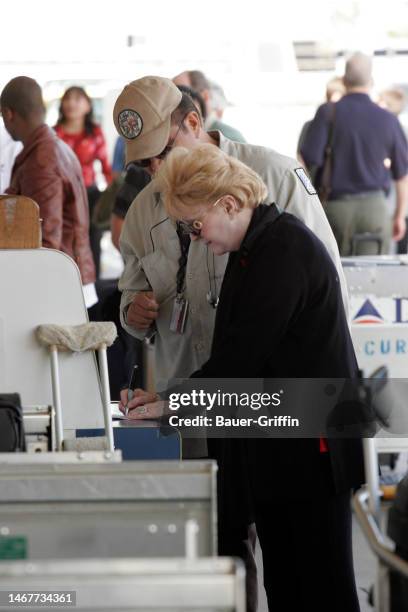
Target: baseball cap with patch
x: 142, y: 115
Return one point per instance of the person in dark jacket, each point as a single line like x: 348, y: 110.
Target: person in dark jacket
x: 280, y: 315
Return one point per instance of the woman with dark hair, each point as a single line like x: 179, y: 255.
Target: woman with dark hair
x: 76, y: 126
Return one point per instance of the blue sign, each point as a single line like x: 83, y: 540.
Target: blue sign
x: 385, y: 347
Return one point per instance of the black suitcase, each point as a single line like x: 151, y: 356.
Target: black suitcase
x: 398, y: 532
x: 12, y: 437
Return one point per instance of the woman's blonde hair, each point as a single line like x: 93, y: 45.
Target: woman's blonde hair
x: 192, y: 178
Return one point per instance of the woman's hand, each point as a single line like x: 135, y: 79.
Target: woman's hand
x: 143, y: 405
x: 140, y: 397
x: 151, y: 411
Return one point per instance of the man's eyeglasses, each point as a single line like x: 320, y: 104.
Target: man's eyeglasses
x: 194, y: 227
x: 145, y: 163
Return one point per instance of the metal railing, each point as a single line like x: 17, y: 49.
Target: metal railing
x: 382, y: 548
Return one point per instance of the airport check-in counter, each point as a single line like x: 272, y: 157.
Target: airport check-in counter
x: 76, y: 514
x: 106, y: 510
x: 378, y: 288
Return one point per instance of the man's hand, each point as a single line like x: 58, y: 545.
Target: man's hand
x: 398, y: 228
x: 398, y: 224
x: 143, y: 311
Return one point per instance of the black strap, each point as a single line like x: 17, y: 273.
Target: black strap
x: 185, y: 241
x: 324, y: 188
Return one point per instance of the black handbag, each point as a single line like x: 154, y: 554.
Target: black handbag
x: 12, y: 437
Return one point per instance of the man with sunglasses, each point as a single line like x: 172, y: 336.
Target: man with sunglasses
x: 170, y: 285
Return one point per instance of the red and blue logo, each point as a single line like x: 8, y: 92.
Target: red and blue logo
x: 368, y: 314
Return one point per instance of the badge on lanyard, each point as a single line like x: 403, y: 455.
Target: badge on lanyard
x: 179, y: 315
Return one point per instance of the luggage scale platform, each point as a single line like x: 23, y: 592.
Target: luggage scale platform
x: 141, y: 440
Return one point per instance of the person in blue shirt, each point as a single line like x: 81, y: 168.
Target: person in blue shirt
x: 369, y: 149
x: 118, y: 161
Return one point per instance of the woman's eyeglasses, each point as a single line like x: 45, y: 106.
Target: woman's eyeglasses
x: 194, y: 227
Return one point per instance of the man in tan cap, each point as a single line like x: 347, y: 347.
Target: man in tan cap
x: 165, y: 276
x: 141, y: 116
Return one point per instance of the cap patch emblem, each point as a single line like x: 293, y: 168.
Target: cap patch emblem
x: 130, y: 123
x: 306, y: 182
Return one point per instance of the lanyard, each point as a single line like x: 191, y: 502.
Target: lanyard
x: 185, y: 241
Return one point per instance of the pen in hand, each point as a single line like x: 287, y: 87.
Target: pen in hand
x: 131, y: 387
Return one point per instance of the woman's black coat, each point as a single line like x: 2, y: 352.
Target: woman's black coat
x: 281, y: 315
